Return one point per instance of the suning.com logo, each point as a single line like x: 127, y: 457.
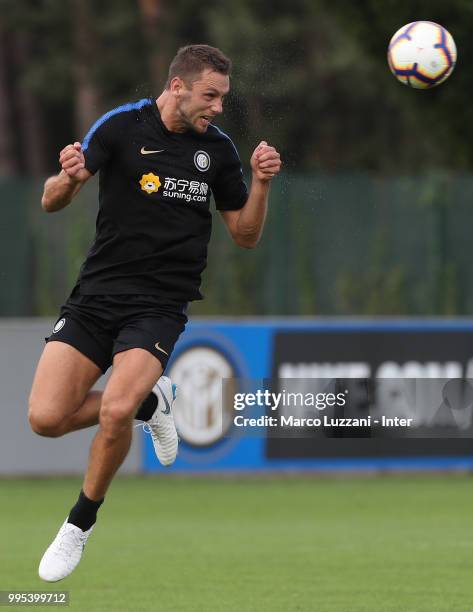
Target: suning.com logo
x: 180, y: 189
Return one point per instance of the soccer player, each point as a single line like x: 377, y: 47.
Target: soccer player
x: 159, y: 161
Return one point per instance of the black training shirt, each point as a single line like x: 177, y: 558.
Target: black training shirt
x: 154, y: 219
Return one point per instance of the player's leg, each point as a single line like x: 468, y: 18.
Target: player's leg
x: 133, y: 376
x: 157, y: 333
x: 140, y: 351
x: 60, y: 398
x: 77, y: 353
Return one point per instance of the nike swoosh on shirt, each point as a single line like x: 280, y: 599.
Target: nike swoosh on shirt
x: 147, y: 152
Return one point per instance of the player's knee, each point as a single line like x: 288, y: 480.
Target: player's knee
x: 44, y: 424
x: 116, y: 413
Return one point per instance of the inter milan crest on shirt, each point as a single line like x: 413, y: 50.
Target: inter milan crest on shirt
x: 202, y: 160
x: 59, y: 325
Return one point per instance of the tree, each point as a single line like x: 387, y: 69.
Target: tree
x: 8, y: 165
x: 86, y: 52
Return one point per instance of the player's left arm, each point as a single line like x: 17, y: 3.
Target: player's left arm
x: 246, y: 225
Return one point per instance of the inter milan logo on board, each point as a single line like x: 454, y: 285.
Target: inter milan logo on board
x: 203, y: 408
x: 202, y: 161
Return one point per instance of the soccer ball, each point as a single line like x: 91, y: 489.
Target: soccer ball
x: 422, y: 54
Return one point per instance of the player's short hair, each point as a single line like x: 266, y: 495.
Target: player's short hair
x: 192, y: 60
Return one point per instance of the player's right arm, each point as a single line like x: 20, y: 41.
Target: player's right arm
x: 59, y: 190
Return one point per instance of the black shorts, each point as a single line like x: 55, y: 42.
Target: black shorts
x: 100, y: 326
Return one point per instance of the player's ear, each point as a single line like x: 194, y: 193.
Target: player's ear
x: 176, y: 85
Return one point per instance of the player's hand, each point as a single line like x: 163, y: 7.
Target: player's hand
x: 265, y: 162
x: 72, y: 162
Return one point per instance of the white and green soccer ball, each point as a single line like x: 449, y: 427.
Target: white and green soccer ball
x: 422, y: 54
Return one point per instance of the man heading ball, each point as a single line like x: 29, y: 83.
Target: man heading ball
x: 159, y: 162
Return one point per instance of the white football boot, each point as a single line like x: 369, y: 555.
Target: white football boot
x: 64, y: 553
x: 161, y: 424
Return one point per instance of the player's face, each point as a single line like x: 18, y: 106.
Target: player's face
x: 200, y: 103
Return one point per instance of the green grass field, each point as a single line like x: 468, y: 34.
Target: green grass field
x: 400, y: 544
